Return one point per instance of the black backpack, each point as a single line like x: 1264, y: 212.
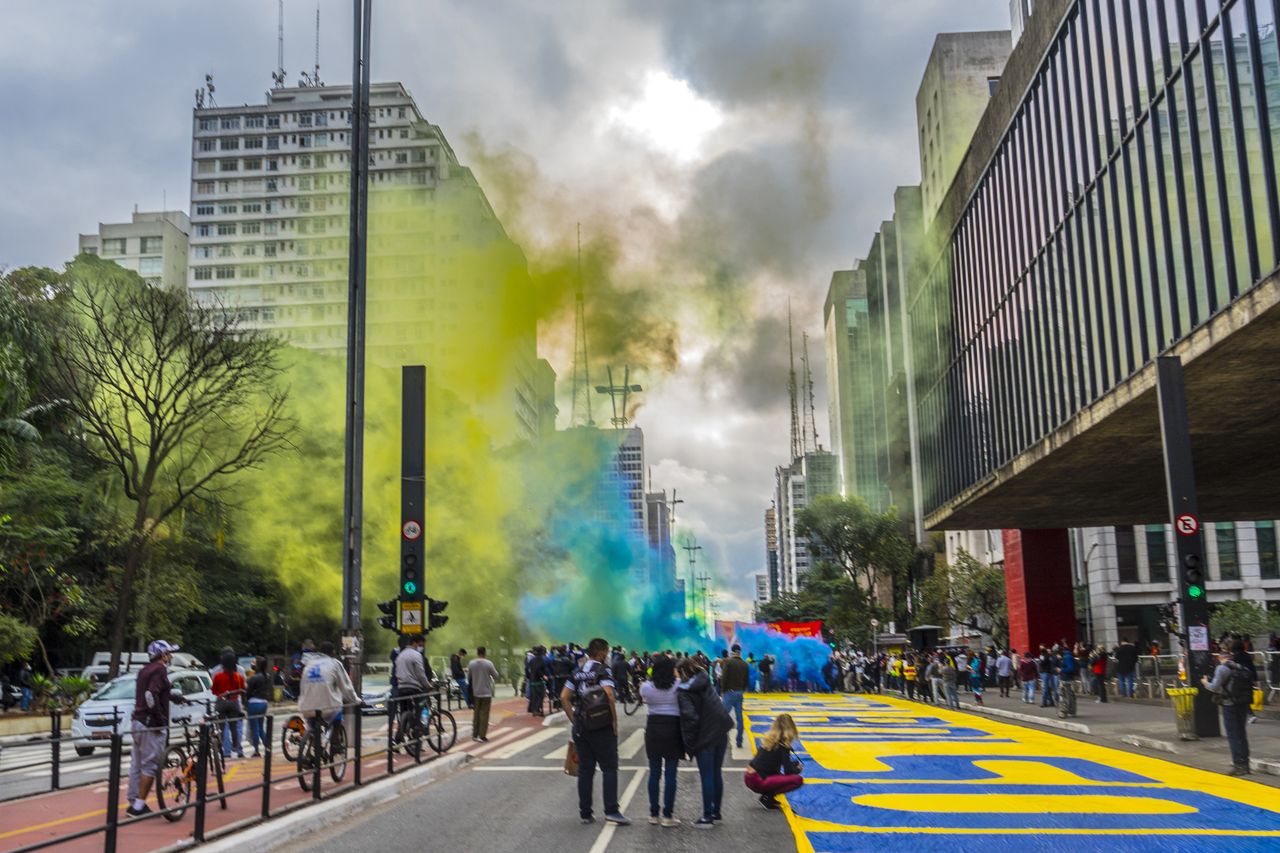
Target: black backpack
x: 1239, y: 686
x: 592, y: 712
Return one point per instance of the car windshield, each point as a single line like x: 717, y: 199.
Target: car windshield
x: 121, y: 688
x: 376, y: 684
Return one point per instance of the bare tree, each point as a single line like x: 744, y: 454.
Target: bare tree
x: 176, y: 397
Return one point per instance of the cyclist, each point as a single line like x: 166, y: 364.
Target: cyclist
x: 412, y: 678
x: 324, y: 687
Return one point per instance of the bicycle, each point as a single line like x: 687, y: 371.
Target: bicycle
x: 176, y: 775
x: 419, y: 721
x: 291, y: 736
x: 332, y: 751
x: 630, y: 699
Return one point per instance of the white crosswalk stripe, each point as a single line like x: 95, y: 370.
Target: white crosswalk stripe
x: 520, y: 745
x: 557, y: 754
x: 631, y: 746
x: 496, y: 741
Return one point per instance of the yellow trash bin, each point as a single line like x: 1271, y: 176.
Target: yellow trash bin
x: 1184, y: 703
x: 1257, y: 699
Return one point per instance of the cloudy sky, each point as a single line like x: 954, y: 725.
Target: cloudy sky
x: 735, y: 153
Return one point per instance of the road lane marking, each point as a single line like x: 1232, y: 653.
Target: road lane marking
x: 558, y: 753
x: 495, y: 742
x: 513, y: 749
x: 632, y: 744
x: 606, y: 834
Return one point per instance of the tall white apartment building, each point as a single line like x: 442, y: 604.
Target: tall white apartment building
x: 153, y: 244
x: 269, y: 240
x: 809, y: 477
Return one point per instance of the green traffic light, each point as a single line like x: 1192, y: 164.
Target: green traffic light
x: 410, y: 587
x: 1194, y: 591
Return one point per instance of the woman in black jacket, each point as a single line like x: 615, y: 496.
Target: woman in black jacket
x: 704, y: 726
x: 773, y: 771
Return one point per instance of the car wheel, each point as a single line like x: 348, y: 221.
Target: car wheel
x: 84, y: 751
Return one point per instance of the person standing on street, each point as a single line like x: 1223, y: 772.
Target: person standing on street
x: 1126, y: 668
x: 1098, y: 666
x: 766, y: 673
x: 735, y: 678
x: 588, y: 699
x: 257, y: 699
x: 481, y: 674
x: 1232, y: 687
x: 150, y: 722
x: 704, y: 725
x: 459, y: 675
x: 228, y: 687
x: 1028, y: 674
x: 1004, y: 671
x: 662, y: 744
x: 27, y: 685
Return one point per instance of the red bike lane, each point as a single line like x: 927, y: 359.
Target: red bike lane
x: 57, y: 814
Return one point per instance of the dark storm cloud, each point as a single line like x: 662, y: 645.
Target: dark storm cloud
x: 749, y: 370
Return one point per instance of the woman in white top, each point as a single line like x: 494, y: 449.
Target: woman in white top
x: 662, y: 741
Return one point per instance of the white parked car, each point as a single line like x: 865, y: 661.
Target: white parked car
x: 132, y: 662
x: 112, y: 706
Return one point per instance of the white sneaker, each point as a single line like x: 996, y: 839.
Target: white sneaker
x: 669, y: 822
x: 654, y: 819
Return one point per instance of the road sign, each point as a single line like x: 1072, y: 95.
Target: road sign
x: 1187, y: 524
x: 411, y: 530
x: 411, y: 617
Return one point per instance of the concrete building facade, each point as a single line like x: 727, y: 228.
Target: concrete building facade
x: 798, y: 485
x: 153, y: 244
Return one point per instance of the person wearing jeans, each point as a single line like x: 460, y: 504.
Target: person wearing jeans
x: 662, y: 744
x: 704, y: 727
x: 597, y: 743
x: 257, y: 696
x: 1235, y: 713
x: 735, y: 678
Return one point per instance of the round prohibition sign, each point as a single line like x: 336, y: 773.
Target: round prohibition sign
x: 412, y: 530
x: 1187, y: 524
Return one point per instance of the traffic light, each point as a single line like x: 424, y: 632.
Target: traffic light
x: 410, y: 580
x: 1193, y: 576
x: 1168, y: 618
x: 388, y: 621
x: 435, y: 614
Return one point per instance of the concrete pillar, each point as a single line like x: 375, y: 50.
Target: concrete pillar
x: 1037, y: 578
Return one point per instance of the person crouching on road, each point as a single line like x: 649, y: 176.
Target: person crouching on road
x: 774, y: 770
x: 150, y: 720
x: 705, y: 727
x: 662, y: 744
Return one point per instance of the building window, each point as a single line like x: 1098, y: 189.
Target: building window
x: 253, y: 142
x: 1126, y: 555
x: 1228, y: 556
x: 273, y: 121
x: 229, y: 165
x: 249, y: 272
x: 1157, y: 554
x: 227, y: 209
x: 1268, y: 560
x: 113, y: 246
x: 226, y: 228
x: 231, y: 123
x: 202, y: 230
x: 225, y: 251
x: 251, y: 228
x: 230, y: 143
x: 304, y: 119
x: 151, y: 245
x: 204, y: 210
x: 253, y: 121
x: 273, y: 143
x: 251, y: 207
x: 208, y: 145
x: 204, y: 187
x: 253, y: 164
x: 226, y: 272
x: 208, y: 124
x: 204, y: 251
x: 203, y: 273
x: 993, y: 83
x: 205, y: 166
x: 150, y: 266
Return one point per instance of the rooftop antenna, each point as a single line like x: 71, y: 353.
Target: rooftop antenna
x: 315, y: 76
x: 797, y: 440
x: 580, y: 413
x: 810, y: 417
x: 671, y: 507
x: 277, y: 76
x: 623, y: 391
x: 208, y: 86
x: 691, y: 549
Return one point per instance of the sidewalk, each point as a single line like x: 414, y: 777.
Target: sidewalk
x: 40, y: 817
x: 1139, y: 725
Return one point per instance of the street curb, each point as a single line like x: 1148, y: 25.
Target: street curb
x: 307, y: 820
x: 555, y: 719
x: 1271, y: 768
x: 1079, y: 728
x: 1149, y: 743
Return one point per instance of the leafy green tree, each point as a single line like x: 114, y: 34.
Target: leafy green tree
x: 1244, y: 617
x: 868, y: 546
x: 826, y: 593
x: 969, y: 594
x: 175, y: 397
x: 17, y: 639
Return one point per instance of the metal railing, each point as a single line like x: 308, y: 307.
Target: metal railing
x: 197, y: 758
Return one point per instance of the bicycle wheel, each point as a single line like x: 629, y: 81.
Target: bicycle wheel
x: 174, y: 783
x: 409, y: 734
x: 631, y: 702
x: 291, y: 735
x: 338, y: 752
x: 442, y: 731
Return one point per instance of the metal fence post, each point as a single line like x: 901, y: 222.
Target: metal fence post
x: 202, y: 787
x: 392, y: 715
x: 113, y: 793
x: 266, y: 768
x: 357, y: 725
x: 55, y: 747
x: 317, y: 754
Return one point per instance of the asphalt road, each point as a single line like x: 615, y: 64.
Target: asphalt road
x: 515, y: 797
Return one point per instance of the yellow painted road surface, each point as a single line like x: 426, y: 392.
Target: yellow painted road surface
x: 886, y: 775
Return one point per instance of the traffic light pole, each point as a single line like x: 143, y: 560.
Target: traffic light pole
x: 353, y: 451
x: 413, y: 470
x: 1184, y: 515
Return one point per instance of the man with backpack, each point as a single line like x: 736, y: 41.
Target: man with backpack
x: 1232, y: 688
x: 588, y: 699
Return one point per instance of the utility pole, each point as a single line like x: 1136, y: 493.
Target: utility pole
x: 616, y: 392
x: 702, y: 581
x: 1184, y: 514
x: 691, y: 549
x: 353, y: 450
